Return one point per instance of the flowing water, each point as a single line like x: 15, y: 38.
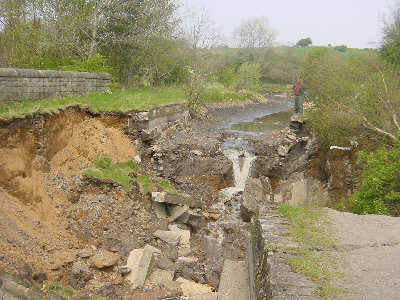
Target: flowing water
x: 274, y: 116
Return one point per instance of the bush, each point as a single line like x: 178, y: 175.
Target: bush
x: 249, y: 75
x: 380, y: 190
x: 94, y: 64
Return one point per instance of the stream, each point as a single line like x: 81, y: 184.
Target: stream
x: 272, y: 116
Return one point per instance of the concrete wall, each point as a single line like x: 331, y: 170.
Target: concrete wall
x: 158, y: 117
x: 18, y: 84
x: 259, y: 269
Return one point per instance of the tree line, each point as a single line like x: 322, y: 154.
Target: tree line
x: 138, y: 41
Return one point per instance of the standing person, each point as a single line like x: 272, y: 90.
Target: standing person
x: 296, y: 93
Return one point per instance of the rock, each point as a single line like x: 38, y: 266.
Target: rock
x: 156, y: 252
x: 161, y: 277
x: 141, y: 262
x: 79, y: 268
x: 267, y: 188
x: 283, y: 150
x: 165, y: 263
x: 103, y: 259
x: 252, y: 198
x: 197, y: 152
x: 212, y: 215
x: 160, y: 209
x: 171, y: 237
x: 123, y: 270
x: 176, y: 211
x: 39, y: 277
x: 190, y: 260
x: 182, y: 199
x: 191, y: 288
x: 195, y: 221
x: 184, y: 240
x: 85, y: 253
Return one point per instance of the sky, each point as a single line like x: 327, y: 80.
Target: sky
x: 355, y: 23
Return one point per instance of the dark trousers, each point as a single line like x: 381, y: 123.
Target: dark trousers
x: 298, y: 104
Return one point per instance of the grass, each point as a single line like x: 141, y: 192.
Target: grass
x: 104, y: 169
x: 312, y: 258
x: 120, y: 101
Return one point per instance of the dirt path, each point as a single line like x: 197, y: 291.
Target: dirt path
x: 368, y: 248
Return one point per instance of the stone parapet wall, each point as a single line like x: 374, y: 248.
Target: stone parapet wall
x: 18, y: 84
x: 259, y: 269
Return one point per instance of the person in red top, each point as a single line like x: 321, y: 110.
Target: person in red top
x: 299, y: 92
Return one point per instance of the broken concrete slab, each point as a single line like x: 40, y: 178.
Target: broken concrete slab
x: 210, y: 296
x: 234, y: 282
x: 184, y: 240
x: 171, y: 237
x: 103, y: 259
x: 182, y: 199
x: 140, y: 261
x: 176, y: 211
x: 158, y: 197
x: 191, y: 288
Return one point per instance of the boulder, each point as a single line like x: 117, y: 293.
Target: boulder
x: 103, y: 259
x: 182, y: 199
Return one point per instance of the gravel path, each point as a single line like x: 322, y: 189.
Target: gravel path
x: 369, y: 249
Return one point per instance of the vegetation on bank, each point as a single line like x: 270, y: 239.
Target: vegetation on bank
x: 120, y: 100
x: 311, y: 257
x: 123, y: 173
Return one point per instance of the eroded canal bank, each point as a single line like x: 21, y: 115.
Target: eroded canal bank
x: 59, y: 224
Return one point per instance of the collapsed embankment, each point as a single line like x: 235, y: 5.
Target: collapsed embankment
x: 55, y: 219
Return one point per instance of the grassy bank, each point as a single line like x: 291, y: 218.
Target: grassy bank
x: 118, y: 101
x: 312, y: 258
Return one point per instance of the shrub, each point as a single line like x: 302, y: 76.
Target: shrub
x: 249, y: 75
x: 380, y: 190
x: 94, y: 64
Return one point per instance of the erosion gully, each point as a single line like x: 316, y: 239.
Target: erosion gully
x: 238, y: 127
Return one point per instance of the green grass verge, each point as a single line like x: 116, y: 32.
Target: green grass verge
x: 312, y: 258
x: 119, y: 101
x: 104, y: 169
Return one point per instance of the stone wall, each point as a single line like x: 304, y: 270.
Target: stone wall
x: 18, y: 84
x: 259, y: 270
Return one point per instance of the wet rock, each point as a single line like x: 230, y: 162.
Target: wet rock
x: 170, y: 237
x: 103, y: 259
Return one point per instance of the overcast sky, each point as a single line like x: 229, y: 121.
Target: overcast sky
x: 355, y: 23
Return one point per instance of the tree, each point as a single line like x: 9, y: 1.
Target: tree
x: 341, y: 48
x: 199, y: 28
x: 254, y: 33
x: 304, y: 42
x: 390, y: 47
x: 356, y: 98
